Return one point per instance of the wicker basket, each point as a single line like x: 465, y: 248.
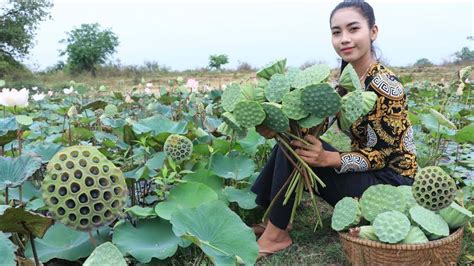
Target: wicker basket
x: 367, y: 252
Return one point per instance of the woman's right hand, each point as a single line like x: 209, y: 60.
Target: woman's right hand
x: 265, y: 131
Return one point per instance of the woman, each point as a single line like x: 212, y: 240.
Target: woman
x: 383, y: 151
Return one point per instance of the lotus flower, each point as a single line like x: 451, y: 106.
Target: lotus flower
x: 14, y: 98
x: 35, y: 88
x: 148, y: 91
x: 149, y: 85
x: 38, y: 97
x: 192, y: 84
x: 128, y: 99
x: 68, y: 91
x: 50, y: 93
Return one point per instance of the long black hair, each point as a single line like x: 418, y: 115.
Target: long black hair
x: 365, y: 10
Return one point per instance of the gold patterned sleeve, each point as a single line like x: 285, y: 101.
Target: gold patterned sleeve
x: 378, y: 135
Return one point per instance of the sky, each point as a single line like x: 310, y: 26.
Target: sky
x: 182, y: 34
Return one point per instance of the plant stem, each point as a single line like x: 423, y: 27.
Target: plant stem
x: 33, y: 246
x: 91, y: 238
x: 20, y: 190
x: 6, y: 195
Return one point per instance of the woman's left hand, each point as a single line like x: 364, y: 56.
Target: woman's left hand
x: 314, y: 153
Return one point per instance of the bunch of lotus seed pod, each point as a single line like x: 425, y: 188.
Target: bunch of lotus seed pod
x: 294, y: 103
x: 397, y: 214
x: 178, y: 147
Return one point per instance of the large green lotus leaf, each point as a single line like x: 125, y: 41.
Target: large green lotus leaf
x: 251, y: 142
x: 62, y: 242
x: 218, y: 231
x: 106, y: 254
x: 159, y: 124
x: 151, y: 238
x: 141, y: 212
x: 8, y: 128
x: 237, y: 167
x: 7, y: 251
x: 465, y: 134
x: 45, y: 150
x: 184, y: 195
x: 433, y: 125
x: 94, y: 105
x: 14, y: 171
x: 22, y: 221
x: 28, y: 192
x: 209, y: 179
x: 442, y: 119
x: 244, y: 197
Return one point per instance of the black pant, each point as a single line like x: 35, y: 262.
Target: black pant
x: 352, y: 184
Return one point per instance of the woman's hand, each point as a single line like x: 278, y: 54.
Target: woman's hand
x: 314, y: 154
x: 265, y: 131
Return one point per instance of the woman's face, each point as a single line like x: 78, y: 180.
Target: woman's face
x: 351, y: 36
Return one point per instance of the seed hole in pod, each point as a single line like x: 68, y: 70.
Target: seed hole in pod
x: 115, y: 204
x: 113, y: 178
x: 439, y: 179
x: 428, y: 170
x: 96, y: 219
x: 82, y: 162
x: 75, y: 187
x: 429, y: 188
x: 86, y: 153
x: 422, y: 200
x: 103, y: 182
x: 61, y: 211
x: 54, y: 176
x: 439, y: 191
x: 436, y: 185
x: 69, y: 164
x: 118, y: 190
x: 423, y: 182
x: 78, y: 174
x: 434, y: 200
x: 62, y: 191
x: 57, y: 167
x: 107, y: 195
x: 54, y: 200
x: 74, y: 154
x: 422, y: 190
x: 63, y: 157
x: 433, y: 194
x: 95, y: 193
x: 108, y: 213
x: 84, y: 222
x: 440, y: 204
x: 65, y: 177
x: 72, y: 217
x: 417, y: 188
x: 446, y: 192
x: 51, y: 188
x: 89, y: 181
x: 94, y: 170
x: 84, y: 210
x: 444, y: 185
x: 431, y: 181
x: 433, y: 175
x: 83, y: 198
x: 98, y: 207
x: 70, y: 204
x: 95, y: 160
x: 105, y: 168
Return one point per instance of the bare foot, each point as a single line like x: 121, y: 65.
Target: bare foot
x: 273, y: 240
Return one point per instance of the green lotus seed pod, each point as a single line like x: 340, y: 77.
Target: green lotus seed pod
x: 455, y: 215
x: 433, y: 188
x: 391, y: 227
x: 355, y: 105
x: 310, y: 121
x: 292, y: 106
x: 178, y: 147
x: 275, y: 67
x: 231, y: 96
x: 311, y: 76
x: 249, y: 113
x: 408, y: 195
x: 275, y: 119
x: 277, y: 87
x: 368, y: 232
x: 432, y: 223
x: 349, y: 79
x: 346, y: 214
x: 229, y: 119
x: 381, y: 198
x: 83, y: 189
x: 321, y: 100
x: 415, y: 236
x: 252, y: 93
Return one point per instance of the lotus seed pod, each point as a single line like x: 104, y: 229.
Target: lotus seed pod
x: 368, y: 232
x: 231, y: 96
x: 275, y: 67
x: 252, y: 93
x: 321, y: 100
x: 292, y: 74
x: 275, y: 119
x: 349, y: 79
x: 415, y: 236
x: 277, y: 87
x: 226, y: 130
x: 433, y: 188
x: 408, y: 195
x: 310, y: 121
x: 381, y: 198
x: 455, y: 215
x: 311, y: 76
x: 433, y: 224
x: 292, y: 106
x: 83, y: 189
x: 346, y: 214
x: 249, y: 113
x: 229, y: 119
x: 355, y: 105
x: 391, y: 227
x: 178, y: 147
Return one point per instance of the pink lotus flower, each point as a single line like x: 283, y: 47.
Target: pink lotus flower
x: 192, y: 84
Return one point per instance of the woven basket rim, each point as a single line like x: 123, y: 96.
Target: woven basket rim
x: 431, y: 244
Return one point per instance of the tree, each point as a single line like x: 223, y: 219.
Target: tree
x: 465, y: 55
x: 217, y: 61
x: 89, y: 46
x: 423, y: 62
x: 19, y: 21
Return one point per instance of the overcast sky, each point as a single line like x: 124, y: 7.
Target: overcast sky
x: 182, y: 33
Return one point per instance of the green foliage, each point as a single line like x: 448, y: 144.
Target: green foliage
x: 422, y: 62
x: 89, y: 46
x: 464, y: 55
x: 217, y: 61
